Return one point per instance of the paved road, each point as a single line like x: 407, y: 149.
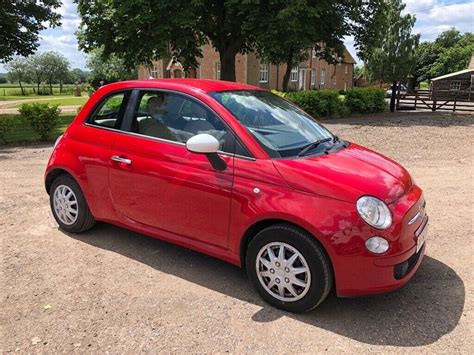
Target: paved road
x: 111, y: 290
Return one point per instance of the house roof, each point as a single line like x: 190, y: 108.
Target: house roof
x: 453, y: 74
x: 471, y: 62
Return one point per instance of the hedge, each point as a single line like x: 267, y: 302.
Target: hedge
x: 329, y: 103
x: 42, y: 118
x: 318, y: 103
x: 365, y: 100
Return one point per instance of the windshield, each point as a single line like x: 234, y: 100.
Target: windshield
x: 281, y: 128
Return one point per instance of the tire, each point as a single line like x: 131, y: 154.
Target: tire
x: 318, y: 280
x: 82, y: 219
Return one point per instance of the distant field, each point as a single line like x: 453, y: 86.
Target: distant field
x: 30, y: 89
x: 61, y: 101
x: 22, y: 131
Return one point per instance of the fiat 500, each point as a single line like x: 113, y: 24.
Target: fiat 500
x: 241, y: 174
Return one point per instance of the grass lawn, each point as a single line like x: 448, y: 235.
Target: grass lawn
x: 35, y: 96
x: 62, y: 101
x: 22, y: 131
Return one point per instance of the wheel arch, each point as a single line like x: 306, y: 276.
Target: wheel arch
x: 258, y: 226
x: 53, y: 175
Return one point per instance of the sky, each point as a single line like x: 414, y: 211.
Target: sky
x: 433, y: 17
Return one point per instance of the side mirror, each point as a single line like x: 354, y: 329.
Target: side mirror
x: 203, y: 143
x: 206, y: 144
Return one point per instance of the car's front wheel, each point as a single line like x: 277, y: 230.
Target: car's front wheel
x: 288, y: 268
x: 69, y: 206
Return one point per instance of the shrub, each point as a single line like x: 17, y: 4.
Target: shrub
x: 42, y: 117
x: 320, y: 103
x: 6, y: 125
x: 365, y: 100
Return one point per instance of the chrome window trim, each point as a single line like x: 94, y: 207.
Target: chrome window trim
x: 164, y: 140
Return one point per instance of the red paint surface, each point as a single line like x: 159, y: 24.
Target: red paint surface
x: 175, y: 195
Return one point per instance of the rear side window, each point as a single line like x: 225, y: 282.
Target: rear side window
x: 111, y: 110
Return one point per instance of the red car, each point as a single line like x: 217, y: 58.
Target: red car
x: 241, y: 174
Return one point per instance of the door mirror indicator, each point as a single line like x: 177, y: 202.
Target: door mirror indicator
x: 206, y: 144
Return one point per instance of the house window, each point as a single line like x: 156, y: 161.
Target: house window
x: 313, y: 77
x: 294, y: 74
x: 345, y: 85
x: 323, y: 76
x: 313, y: 53
x: 263, y: 73
x: 455, y: 85
x: 346, y: 69
x: 334, y: 80
x: 154, y: 72
x: 218, y: 71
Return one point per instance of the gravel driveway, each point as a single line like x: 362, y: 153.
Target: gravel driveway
x: 117, y: 291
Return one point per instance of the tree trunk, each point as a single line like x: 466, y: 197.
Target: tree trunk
x: 286, y: 77
x: 392, y: 97
x: 227, y: 59
x: 38, y: 82
x: 60, y: 86
x: 51, y: 86
x: 21, y: 87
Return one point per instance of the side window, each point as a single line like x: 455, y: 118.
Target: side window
x: 111, y: 111
x: 177, y: 118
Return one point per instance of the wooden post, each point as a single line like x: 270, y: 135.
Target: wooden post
x: 416, y: 98
x: 434, y: 102
x: 454, y: 106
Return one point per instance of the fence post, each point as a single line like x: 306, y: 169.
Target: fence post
x: 416, y: 98
x: 434, y: 102
x: 454, y: 106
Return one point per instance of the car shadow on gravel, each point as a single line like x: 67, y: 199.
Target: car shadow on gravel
x: 420, y: 313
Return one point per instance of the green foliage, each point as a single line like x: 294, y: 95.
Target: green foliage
x: 21, y: 22
x: 365, y: 100
x: 6, y: 125
x: 42, y: 118
x: 109, y: 69
x: 18, y: 70
x: 449, y: 52
x: 320, y: 103
x: 140, y: 31
x: 392, y: 58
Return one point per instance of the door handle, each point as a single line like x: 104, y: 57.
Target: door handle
x: 121, y: 160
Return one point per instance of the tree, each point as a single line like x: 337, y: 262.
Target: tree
x: 107, y: 70
x: 392, y: 58
x: 286, y: 40
x: 35, y: 64
x: 55, y: 68
x: 77, y: 75
x: 21, y: 21
x: 18, y: 70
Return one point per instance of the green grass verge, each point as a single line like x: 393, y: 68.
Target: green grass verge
x: 61, y: 101
x: 34, y: 96
x: 22, y: 131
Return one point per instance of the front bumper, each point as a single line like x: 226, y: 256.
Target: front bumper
x: 367, y: 274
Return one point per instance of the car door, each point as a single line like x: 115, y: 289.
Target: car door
x: 155, y: 181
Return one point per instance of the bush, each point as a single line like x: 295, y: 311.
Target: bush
x: 320, y: 103
x: 6, y: 125
x: 365, y: 100
x: 42, y: 117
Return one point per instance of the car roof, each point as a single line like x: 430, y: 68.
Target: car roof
x: 203, y: 85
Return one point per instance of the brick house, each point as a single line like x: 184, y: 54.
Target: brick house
x: 312, y: 73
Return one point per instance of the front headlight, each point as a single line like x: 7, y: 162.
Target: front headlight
x: 374, y: 211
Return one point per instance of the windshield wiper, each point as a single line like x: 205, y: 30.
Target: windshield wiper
x: 313, y: 145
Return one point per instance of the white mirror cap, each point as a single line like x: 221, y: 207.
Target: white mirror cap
x: 203, y: 143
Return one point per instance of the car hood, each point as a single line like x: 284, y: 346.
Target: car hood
x: 347, y: 174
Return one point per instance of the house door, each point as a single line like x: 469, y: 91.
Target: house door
x: 302, y: 80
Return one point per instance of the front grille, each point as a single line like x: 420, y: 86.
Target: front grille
x: 402, y: 269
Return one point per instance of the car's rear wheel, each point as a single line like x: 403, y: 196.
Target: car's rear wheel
x: 288, y: 268
x: 69, y: 206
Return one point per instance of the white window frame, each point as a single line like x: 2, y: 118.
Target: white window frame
x: 264, y: 74
x: 313, y: 77
x: 334, y: 80
x: 346, y: 69
x: 218, y: 71
x: 313, y: 53
x: 294, y: 75
x: 154, y: 72
x: 323, y: 76
x: 456, y: 86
